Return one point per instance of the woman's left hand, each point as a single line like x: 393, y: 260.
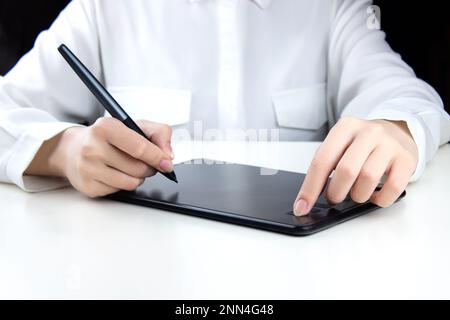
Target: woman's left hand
x: 360, y: 152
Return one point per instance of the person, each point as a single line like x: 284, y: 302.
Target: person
x: 312, y: 70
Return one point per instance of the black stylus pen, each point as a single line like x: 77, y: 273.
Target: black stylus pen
x: 103, y: 96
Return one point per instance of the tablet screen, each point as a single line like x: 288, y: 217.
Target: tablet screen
x: 239, y: 190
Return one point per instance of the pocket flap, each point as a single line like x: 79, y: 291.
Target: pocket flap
x: 303, y: 108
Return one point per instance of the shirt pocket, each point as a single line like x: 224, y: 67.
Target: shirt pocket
x: 302, y: 108
x: 163, y: 105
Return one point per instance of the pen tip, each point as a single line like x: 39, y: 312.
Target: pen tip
x: 173, y: 177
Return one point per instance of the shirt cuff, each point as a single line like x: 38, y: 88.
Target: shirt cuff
x: 415, y: 127
x: 24, y: 152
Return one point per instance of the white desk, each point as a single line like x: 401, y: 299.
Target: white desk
x: 61, y: 244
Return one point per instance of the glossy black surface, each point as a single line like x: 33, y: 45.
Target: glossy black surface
x: 240, y: 194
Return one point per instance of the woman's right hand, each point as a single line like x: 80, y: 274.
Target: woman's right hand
x: 107, y: 156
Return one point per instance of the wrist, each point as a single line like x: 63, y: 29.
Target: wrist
x: 53, y: 155
x: 59, y: 158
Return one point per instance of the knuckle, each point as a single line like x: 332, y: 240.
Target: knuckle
x: 104, y: 122
x: 101, y: 122
x: 140, y: 151
x: 346, y: 171
x: 375, y: 129
x: 87, y: 150
x: 98, y: 130
x: 368, y: 175
x: 102, y: 126
x: 318, y: 163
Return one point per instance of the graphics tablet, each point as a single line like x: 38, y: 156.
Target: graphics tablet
x: 240, y: 194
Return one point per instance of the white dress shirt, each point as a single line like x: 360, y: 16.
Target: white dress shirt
x: 296, y: 66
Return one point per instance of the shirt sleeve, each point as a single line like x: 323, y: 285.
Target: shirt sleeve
x: 366, y: 79
x: 41, y: 96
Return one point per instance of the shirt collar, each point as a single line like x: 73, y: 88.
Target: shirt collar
x: 263, y: 4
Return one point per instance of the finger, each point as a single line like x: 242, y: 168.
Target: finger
x: 325, y: 160
x: 396, y: 183
x: 117, y: 179
x: 138, y: 147
x: 159, y: 134
x: 98, y: 189
x: 370, y: 175
x: 121, y: 161
x: 349, y: 166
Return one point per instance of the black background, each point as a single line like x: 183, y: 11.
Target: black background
x: 419, y: 31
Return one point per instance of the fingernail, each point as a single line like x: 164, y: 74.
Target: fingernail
x: 301, y: 208
x: 166, y: 166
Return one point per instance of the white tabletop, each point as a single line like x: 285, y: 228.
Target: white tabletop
x: 61, y: 244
